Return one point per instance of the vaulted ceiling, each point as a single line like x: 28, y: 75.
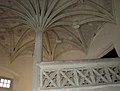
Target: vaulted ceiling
x: 66, y: 25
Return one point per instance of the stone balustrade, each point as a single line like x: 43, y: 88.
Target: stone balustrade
x: 79, y: 74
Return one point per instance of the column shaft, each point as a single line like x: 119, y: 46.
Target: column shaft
x: 37, y: 59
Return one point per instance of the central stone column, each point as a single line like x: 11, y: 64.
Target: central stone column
x: 37, y: 59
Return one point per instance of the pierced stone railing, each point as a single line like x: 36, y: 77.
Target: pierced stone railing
x: 78, y: 74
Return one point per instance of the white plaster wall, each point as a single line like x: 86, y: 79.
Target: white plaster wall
x: 72, y: 55
x: 20, y: 71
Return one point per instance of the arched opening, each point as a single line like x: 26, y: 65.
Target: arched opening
x: 8, y: 80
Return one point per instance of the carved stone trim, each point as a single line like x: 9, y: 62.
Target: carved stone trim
x: 78, y: 77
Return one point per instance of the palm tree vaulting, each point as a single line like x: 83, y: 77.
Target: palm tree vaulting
x: 43, y: 15
x: 73, y: 21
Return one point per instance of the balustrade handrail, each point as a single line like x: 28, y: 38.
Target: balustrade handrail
x: 80, y: 63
